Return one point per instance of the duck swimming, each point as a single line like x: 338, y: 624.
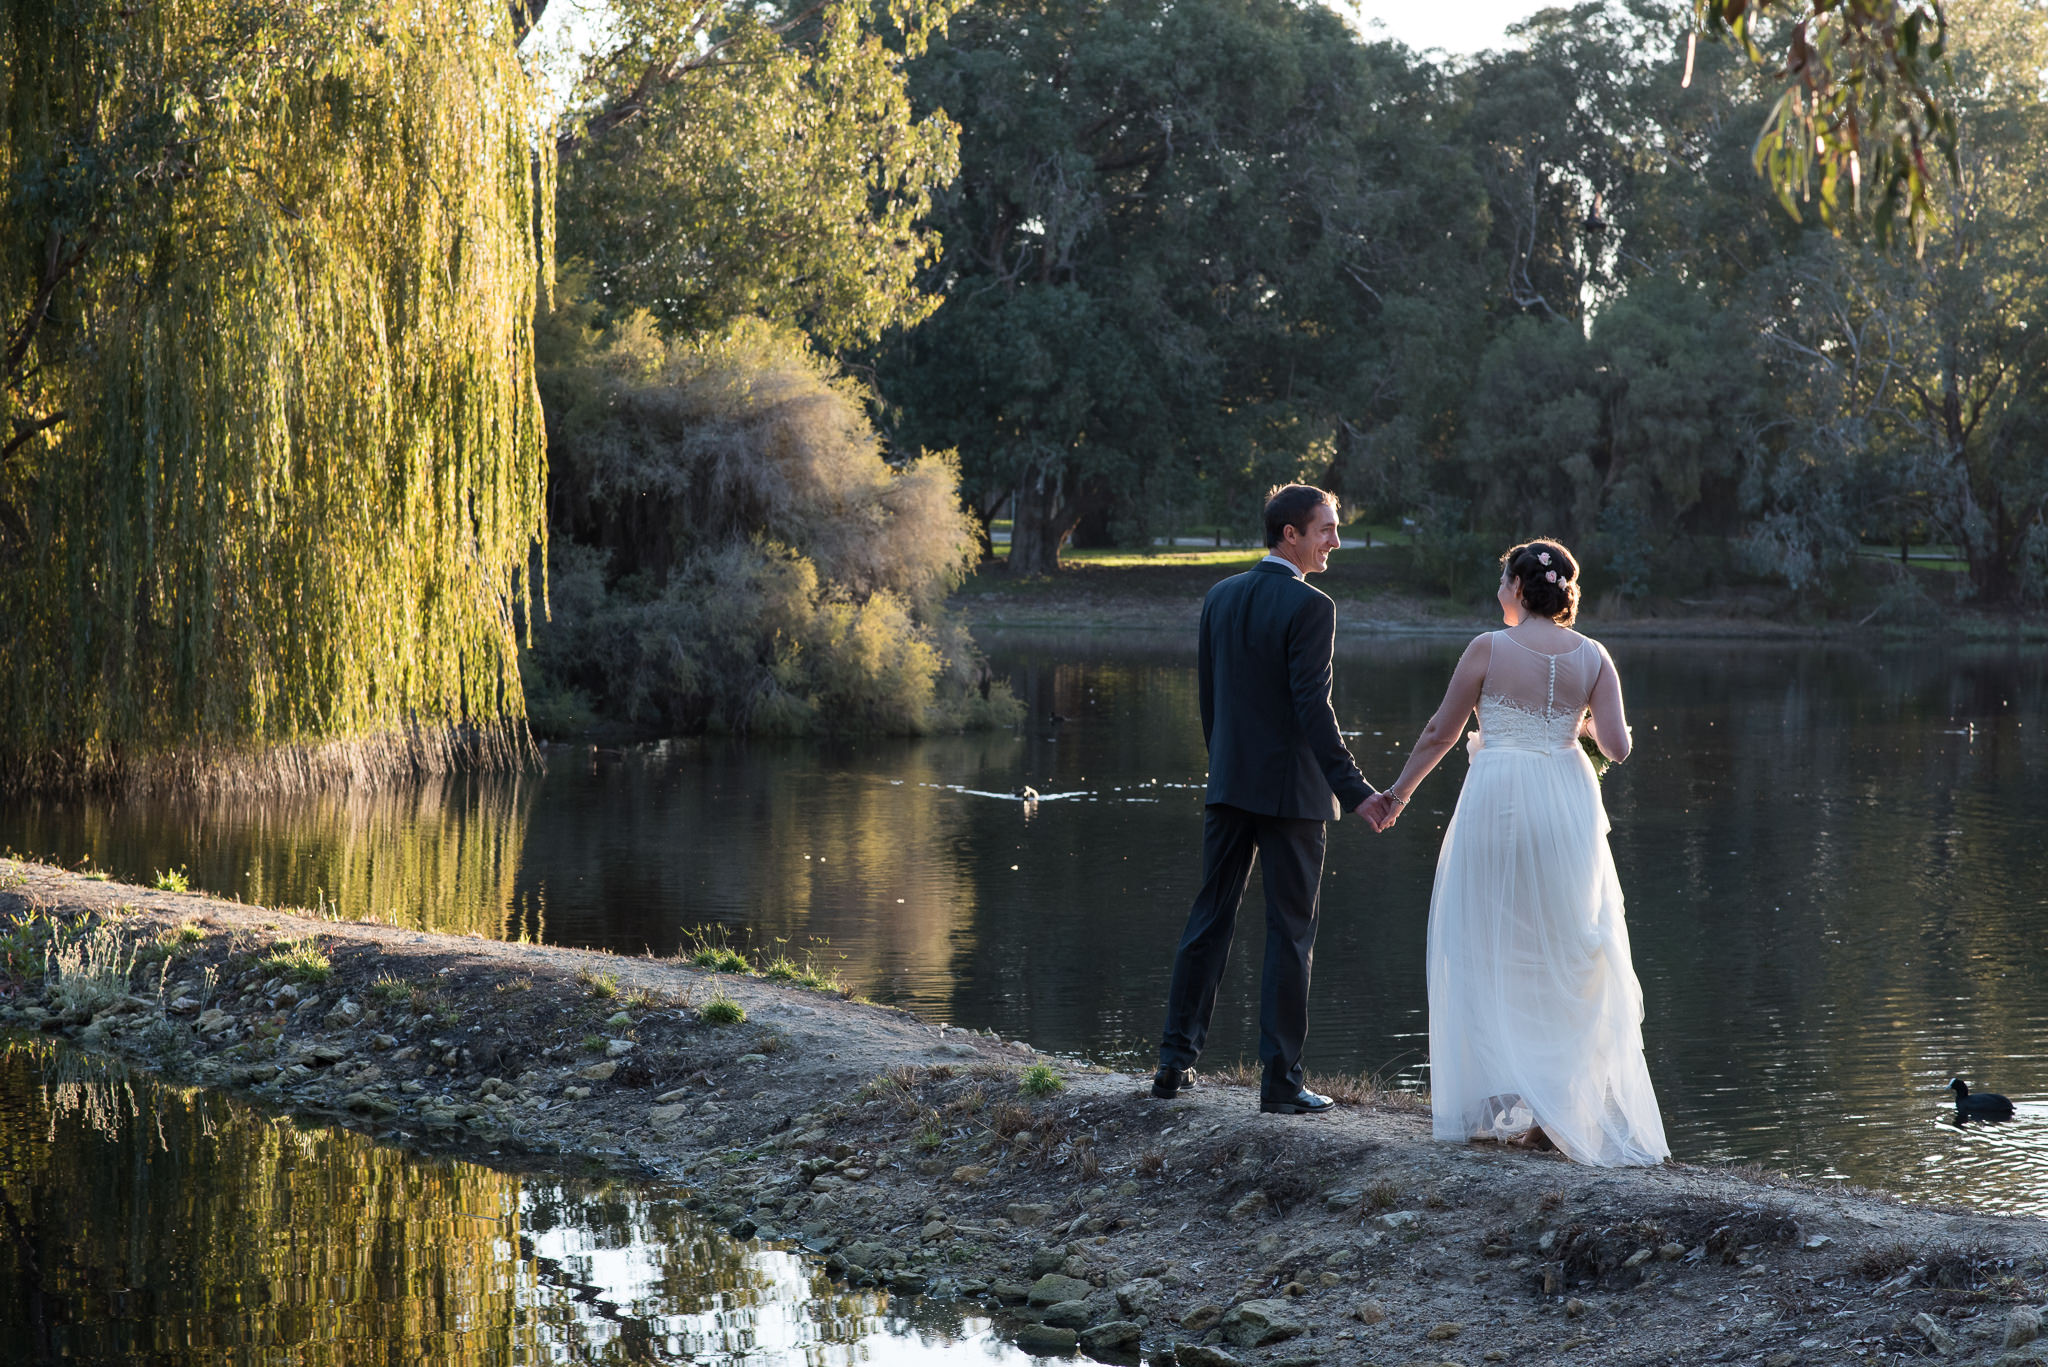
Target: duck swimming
x: 1978, y: 1105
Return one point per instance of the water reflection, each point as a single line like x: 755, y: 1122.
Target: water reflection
x: 1831, y: 855
x: 146, y: 1224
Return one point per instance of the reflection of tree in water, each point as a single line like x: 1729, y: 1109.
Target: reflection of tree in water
x: 440, y: 854
x: 145, y: 1223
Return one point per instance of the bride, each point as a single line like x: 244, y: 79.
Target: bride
x: 1535, y: 1014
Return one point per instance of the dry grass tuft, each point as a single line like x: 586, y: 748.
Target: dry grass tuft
x: 1151, y: 1163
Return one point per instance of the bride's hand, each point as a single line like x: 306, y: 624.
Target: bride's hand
x: 1475, y: 742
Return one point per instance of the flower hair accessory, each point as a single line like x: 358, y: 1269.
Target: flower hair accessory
x: 1543, y: 558
x: 1551, y: 575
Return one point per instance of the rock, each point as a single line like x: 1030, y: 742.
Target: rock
x: 1251, y: 1204
x: 1048, y: 1260
x: 289, y: 992
x: 344, y: 1014
x: 575, y: 1093
x: 933, y: 1229
x: 1068, y: 1314
x: 618, y: 1048
x: 667, y: 1097
x: 598, y: 1072
x: 742, y: 1228
x: 1670, y: 1253
x: 1937, y: 1335
x: 1781, y: 1359
x: 1574, y: 1308
x: 1369, y: 1312
x: 369, y: 1103
x: 1447, y: 1330
x: 1142, y: 1296
x: 1201, y: 1318
x: 1638, y: 1258
x: 969, y: 1173
x: 1028, y: 1213
x: 213, y: 1020
x: 325, y: 1055
x: 1399, y: 1219
x: 1054, y: 1287
x: 751, y: 1058
x: 661, y: 1117
x: 1118, y: 1336
x: 259, y: 1072
x: 1202, y: 1355
x: 1046, y: 1340
x: 1010, y: 1293
x: 183, y: 1005
x: 2022, y: 1326
x: 908, y: 1283
x: 1254, y: 1324
x: 381, y: 1041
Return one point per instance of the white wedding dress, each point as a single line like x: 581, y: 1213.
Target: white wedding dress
x: 1535, y: 1014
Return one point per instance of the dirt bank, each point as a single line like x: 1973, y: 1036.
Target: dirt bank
x: 917, y: 1157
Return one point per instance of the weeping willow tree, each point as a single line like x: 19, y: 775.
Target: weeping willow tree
x: 271, y: 453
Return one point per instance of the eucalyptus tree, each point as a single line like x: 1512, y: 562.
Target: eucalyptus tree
x: 272, y: 466
x: 1175, y: 235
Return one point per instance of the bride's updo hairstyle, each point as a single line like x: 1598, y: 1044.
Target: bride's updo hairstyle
x: 1548, y: 576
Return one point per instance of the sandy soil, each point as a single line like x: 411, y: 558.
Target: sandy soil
x: 915, y: 1157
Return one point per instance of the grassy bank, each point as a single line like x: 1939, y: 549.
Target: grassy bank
x: 1379, y: 588
x: 935, y: 1161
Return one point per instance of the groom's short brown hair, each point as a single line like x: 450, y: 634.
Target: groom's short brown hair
x: 1291, y: 505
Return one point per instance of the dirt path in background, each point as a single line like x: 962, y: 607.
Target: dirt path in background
x: 911, y: 1156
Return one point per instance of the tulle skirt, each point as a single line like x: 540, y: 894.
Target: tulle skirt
x: 1535, y: 1013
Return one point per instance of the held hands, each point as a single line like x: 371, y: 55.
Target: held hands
x: 1380, y: 811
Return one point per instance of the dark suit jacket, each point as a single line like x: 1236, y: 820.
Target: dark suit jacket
x: 1267, y: 642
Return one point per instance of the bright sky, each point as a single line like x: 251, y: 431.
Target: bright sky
x: 1456, y: 26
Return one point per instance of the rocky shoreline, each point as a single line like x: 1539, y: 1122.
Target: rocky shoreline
x: 927, y: 1160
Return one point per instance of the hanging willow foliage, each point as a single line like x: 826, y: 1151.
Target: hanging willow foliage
x: 273, y: 453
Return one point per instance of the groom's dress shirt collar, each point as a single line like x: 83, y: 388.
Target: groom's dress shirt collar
x: 1284, y: 564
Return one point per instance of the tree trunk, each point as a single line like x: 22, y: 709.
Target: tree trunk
x: 1041, y: 518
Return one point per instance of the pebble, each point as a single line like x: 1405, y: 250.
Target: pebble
x: 1142, y: 1296
x: 1670, y: 1253
x: 1201, y: 1318
x: 1937, y: 1335
x: 1055, y: 1287
x: 1202, y: 1355
x: 1251, y: 1204
x: 1449, y: 1329
x: 1369, y: 1312
x: 598, y: 1072
x: 1401, y: 1219
x: 1072, y: 1314
x: 2022, y: 1326
x: 618, y: 1048
x: 968, y: 1174
x: 1026, y: 1212
x: 1117, y: 1336
x: 661, y: 1117
x: 1574, y: 1308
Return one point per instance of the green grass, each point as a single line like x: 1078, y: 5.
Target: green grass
x: 783, y: 969
x: 720, y: 959
x: 172, y: 880
x: 593, y: 1044
x: 602, y: 986
x: 391, y: 991
x: 722, y: 1010
x: 1039, y: 1080
x: 300, y: 960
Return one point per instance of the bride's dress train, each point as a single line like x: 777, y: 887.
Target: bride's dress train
x: 1535, y: 1014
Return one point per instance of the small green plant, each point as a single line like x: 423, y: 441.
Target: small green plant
x: 300, y: 960
x: 24, y: 944
x: 783, y: 969
x: 89, y: 972
x: 1039, y: 1080
x: 932, y: 1133
x: 1382, y: 1195
x: 722, y: 1010
x: 172, y: 880
x: 642, y: 999
x: 602, y: 986
x: 97, y: 875
x: 720, y: 959
x: 593, y: 1044
x: 519, y: 984
x: 391, y: 991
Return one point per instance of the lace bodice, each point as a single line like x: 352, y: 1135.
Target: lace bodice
x: 1533, y: 701
x: 1510, y: 725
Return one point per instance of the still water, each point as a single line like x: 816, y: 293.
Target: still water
x: 152, y: 1226
x: 1833, y: 857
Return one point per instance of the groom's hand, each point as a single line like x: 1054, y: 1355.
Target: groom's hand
x: 1379, y: 812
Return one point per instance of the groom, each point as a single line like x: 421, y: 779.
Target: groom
x: 1278, y: 770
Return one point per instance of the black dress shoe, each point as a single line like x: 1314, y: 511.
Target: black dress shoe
x: 1167, y: 1082
x: 1303, y: 1102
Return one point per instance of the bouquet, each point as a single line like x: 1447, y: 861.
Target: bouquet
x: 1601, y: 764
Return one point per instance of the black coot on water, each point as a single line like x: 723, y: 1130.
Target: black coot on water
x: 1978, y: 1105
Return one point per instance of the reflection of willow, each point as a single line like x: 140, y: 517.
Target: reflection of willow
x: 143, y: 1223
x: 438, y: 855
x: 242, y: 1234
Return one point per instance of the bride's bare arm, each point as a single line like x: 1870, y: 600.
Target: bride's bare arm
x: 1448, y: 724
x: 1609, y: 727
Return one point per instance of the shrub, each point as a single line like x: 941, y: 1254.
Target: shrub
x: 734, y: 551
x: 1039, y: 1080
x: 722, y: 1010
x: 172, y: 880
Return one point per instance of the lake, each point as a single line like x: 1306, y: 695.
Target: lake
x: 1833, y: 858
x: 150, y: 1224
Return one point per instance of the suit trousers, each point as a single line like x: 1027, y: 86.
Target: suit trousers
x: 1290, y: 850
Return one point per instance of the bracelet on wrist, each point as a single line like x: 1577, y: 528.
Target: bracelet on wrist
x: 1397, y: 797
